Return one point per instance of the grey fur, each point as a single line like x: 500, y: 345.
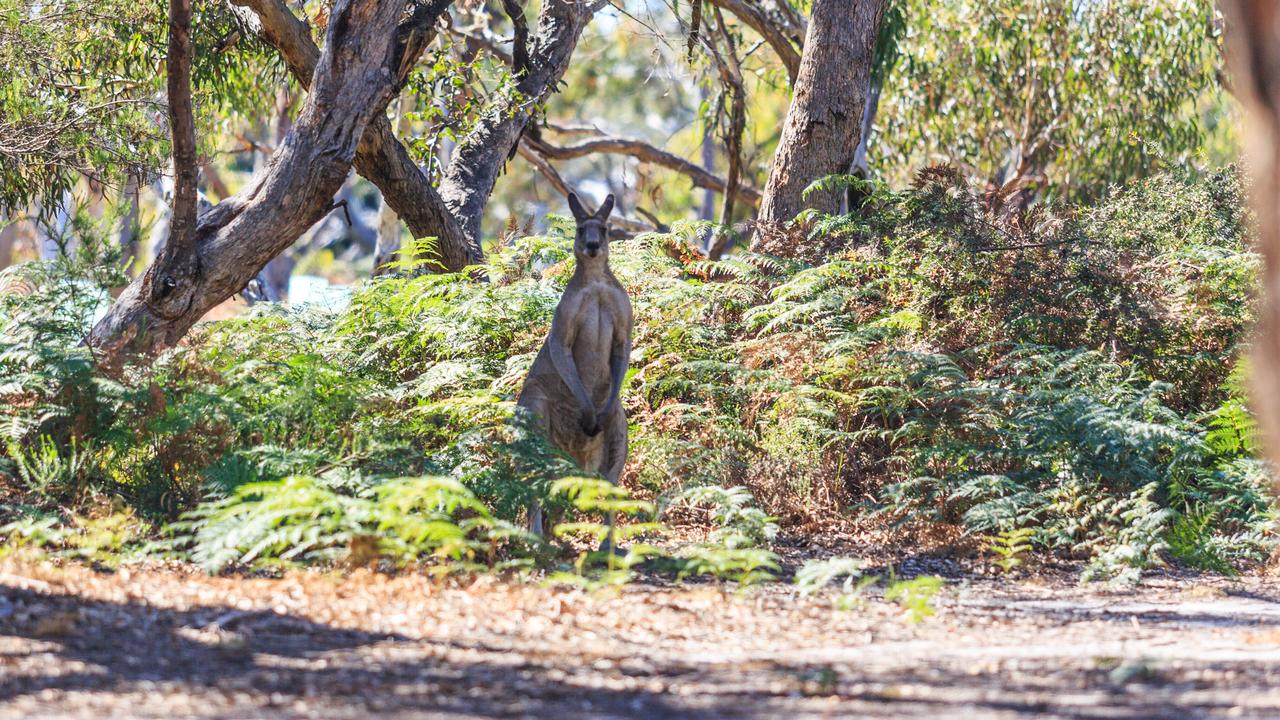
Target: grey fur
x: 572, y: 388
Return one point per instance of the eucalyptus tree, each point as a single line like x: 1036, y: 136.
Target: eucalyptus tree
x: 824, y: 122
x: 1046, y: 97
x: 86, y: 101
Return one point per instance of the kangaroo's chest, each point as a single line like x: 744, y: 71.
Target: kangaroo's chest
x: 595, y: 329
x: 598, y: 321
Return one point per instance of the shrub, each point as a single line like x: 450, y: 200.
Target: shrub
x: 1064, y: 372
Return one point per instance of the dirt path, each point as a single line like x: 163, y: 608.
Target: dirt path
x: 168, y: 643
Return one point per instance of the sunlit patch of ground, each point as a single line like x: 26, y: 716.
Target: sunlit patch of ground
x: 171, y: 642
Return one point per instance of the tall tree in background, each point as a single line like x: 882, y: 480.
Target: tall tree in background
x: 823, y: 125
x: 1253, y: 28
x: 1045, y: 98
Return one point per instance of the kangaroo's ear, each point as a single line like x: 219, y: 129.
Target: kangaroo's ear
x: 605, y: 209
x: 579, y: 212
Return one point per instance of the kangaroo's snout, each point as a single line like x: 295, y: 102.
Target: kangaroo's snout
x: 593, y: 249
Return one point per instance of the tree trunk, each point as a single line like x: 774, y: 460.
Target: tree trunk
x: 8, y: 239
x: 823, y: 124
x: 130, y: 232
x: 453, y: 214
x: 1253, y: 31
x: 274, y: 277
x: 388, y: 243
x: 354, y: 80
x: 707, y: 211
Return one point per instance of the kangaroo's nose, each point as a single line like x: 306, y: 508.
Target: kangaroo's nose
x: 593, y: 249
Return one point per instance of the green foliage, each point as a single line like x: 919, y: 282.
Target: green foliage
x: 79, y: 95
x: 308, y: 519
x: 1011, y: 547
x: 102, y: 538
x: 745, y: 566
x: 1069, y: 375
x: 915, y: 596
x: 1071, y: 98
x: 815, y: 575
x: 609, y: 565
x: 737, y: 521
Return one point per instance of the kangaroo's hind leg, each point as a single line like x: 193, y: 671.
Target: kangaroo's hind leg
x: 615, y: 458
x: 615, y: 446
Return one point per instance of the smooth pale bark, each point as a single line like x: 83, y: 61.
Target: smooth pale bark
x: 644, y: 152
x: 1253, y: 32
x: 823, y: 125
x: 130, y: 231
x: 354, y: 80
x: 8, y: 239
x: 274, y: 278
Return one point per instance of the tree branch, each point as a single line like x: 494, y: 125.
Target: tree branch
x: 237, y: 237
x: 558, y: 182
x: 643, y: 152
x: 380, y: 157
x: 731, y: 76
x: 520, y: 38
x: 784, y: 40
x: 480, y: 157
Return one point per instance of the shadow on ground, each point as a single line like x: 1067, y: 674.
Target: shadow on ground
x: 104, y: 647
x: 1015, y: 653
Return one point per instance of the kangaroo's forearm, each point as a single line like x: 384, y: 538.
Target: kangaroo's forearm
x: 618, y: 364
x: 567, y: 369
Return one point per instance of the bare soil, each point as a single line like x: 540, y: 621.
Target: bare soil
x: 169, y: 642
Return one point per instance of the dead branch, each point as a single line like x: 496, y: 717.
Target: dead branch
x: 644, y: 152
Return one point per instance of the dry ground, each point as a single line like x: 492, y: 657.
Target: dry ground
x: 168, y: 642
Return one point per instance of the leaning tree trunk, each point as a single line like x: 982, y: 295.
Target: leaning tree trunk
x: 380, y: 157
x: 388, y: 242
x: 1253, y: 30
x: 823, y: 124
x: 452, y: 214
x: 355, y: 79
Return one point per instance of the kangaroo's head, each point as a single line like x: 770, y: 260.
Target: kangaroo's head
x: 592, y: 238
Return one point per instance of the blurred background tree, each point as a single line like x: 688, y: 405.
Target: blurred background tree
x: 1050, y: 98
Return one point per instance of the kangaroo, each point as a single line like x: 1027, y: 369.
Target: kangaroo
x: 572, y: 387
